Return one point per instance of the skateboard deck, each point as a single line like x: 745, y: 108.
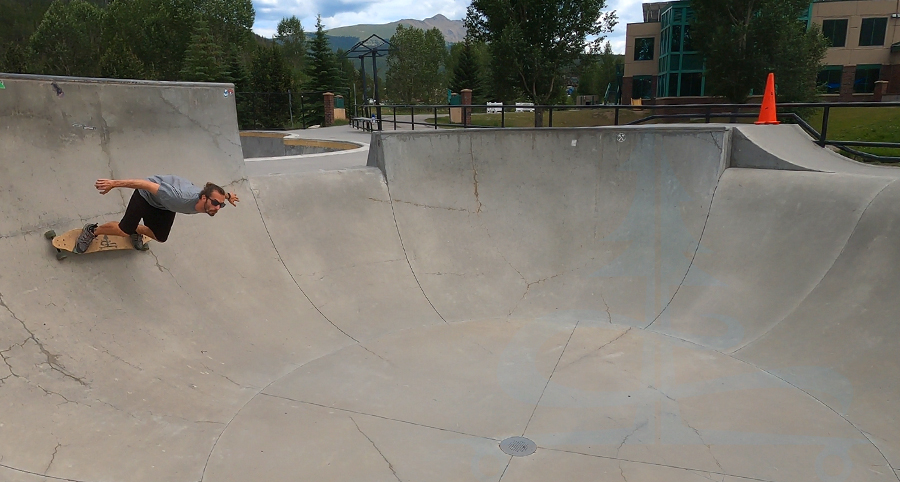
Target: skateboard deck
x: 65, y: 242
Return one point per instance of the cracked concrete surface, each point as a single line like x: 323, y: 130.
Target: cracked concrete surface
x: 397, y: 322
x: 375, y: 446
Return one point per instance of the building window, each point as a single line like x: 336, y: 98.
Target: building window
x: 691, y: 84
x: 687, y: 44
x: 829, y: 79
x: 692, y: 62
x: 835, y: 31
x: 643, y: 48
x: 872, y: 31
x: 641, y: 86
x: 676, y: 38
x: 866, y: 76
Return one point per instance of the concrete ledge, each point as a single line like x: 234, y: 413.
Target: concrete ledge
x: 97, y: 80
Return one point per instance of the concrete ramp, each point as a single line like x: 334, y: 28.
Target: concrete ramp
x: 626, y: 300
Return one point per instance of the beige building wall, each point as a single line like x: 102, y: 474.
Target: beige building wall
x: 643, y: 67
x: 852, y: 53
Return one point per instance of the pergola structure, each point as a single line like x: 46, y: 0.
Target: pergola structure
x: 373, y: 46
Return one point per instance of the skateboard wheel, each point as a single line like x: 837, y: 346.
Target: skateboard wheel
x: 61, y: 255
x: 50, y: 234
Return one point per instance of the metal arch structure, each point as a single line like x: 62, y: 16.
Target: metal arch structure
x: 373, y: 46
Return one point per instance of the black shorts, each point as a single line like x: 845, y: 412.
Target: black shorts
x: 157, y: 220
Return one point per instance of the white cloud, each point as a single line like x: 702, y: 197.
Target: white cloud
x: 340, y: 13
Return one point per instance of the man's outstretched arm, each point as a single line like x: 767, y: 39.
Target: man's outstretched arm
x: 106, y: 185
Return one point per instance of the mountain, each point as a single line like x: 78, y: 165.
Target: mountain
x: 454, y: 31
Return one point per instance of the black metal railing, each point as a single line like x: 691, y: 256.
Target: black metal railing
x: 377, y: 117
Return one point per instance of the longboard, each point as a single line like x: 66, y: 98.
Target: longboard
x: 65, y: 242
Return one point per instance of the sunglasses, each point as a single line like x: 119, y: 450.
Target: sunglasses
x: 217, y: 203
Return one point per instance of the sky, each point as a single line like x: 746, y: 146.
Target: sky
x: 341, y: 13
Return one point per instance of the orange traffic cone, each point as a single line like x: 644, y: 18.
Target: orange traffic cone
x: 767, y: 113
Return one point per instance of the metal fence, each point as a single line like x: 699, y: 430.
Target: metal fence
x: 376, y: 117
x: 279, y: 110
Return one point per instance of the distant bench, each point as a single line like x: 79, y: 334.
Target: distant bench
x: 364, y: 123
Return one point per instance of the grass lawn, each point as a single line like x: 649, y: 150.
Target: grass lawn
x: 878, y: 124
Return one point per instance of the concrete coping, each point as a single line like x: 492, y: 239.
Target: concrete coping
x: 95, y: 80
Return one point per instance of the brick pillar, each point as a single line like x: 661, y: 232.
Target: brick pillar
x: 848, y: 76
x: 881, y: 88
x: 329, y: 109
x: 892, y: 75
x: 467, y: 100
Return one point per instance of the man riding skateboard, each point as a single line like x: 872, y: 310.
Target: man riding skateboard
x: 156, y: 200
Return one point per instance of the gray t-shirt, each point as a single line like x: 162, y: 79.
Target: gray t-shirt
x: 175, y: 194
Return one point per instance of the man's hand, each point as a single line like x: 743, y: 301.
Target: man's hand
x: 232, y: 198
x: 105, y: 185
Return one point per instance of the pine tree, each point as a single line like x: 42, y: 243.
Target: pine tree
x: 467, y: 75
x: 203, y: 57
x: 270, y: 82
x: 237, y: 74
x: 322, y: 75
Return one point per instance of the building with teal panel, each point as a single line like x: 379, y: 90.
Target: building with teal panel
x: 862, y: 63
x: 680, y: 65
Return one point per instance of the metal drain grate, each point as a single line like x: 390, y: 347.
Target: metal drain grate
x: 518, y: 446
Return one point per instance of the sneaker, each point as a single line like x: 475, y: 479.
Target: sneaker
x: 137, y: 239
x: 85, y: 238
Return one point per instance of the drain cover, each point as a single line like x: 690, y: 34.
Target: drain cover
x: 518, y: 446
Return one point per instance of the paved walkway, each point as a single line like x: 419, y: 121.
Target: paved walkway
x: 331, y: 160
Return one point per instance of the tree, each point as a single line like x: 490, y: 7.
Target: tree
x: 467, y: 73
x: 292, y: 38
x: 158, y: 32
x: 120, y: 62
x: 235, y: 71
x: 322, y: 75
x: 743, y: 40
x: 230, y: 21
x: 15, y: 60
x: 68, y: 39
x: 203, y: 59
x: 415, y: 64
x: 19, y: 20
x: 533, y: 42
x: 598, y: 72
x: 270, y: 82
